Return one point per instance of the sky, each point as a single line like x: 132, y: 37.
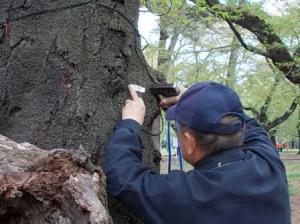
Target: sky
x: 147, y: 24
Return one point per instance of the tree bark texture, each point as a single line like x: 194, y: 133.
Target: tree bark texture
x: 64, y: 71
x: 58, y: 186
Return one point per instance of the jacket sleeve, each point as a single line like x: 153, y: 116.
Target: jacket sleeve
x: 144, y: 191
x: 255, y: 133
x: 135, y: 185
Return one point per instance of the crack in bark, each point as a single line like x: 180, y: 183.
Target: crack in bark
x: 53, y: 113
x: 13, y: 48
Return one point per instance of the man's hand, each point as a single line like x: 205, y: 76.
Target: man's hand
x: 134, y: 108
x: 165, y: 103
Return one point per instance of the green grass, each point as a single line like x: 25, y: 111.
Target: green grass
x: 293, y: 176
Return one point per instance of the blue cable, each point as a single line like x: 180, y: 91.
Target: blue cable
x: 169, y: 146
x: 179, y: 152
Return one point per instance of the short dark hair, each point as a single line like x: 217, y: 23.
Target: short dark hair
x: 215, y: 143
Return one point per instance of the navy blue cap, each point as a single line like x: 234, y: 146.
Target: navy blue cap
x: 203, y: 105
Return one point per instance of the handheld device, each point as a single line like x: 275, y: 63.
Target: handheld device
x: 164, y: 89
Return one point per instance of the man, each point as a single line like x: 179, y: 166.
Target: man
x: 237, y: 177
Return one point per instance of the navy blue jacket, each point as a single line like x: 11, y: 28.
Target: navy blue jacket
x: 245, y: 185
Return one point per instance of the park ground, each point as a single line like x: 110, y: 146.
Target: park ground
x: 292, y: 163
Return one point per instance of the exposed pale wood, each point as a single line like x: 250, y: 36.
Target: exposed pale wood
x: 58, y: 186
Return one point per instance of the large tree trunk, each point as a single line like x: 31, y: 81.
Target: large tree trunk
x: 64, y: 68
x: 58, y: 186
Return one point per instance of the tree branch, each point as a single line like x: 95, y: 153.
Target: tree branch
x: 242, y: 42
x: 255, y: 112
x: 285, y: 116
x: 275, y: 48
x: 265, y: 107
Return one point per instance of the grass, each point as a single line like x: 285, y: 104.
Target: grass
x: 293, y: 176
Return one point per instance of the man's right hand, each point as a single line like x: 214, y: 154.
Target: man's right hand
x: 166, y: 102
x: 134, y: 107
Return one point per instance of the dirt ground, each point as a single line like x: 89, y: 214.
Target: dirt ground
x: 290, y: 156
x: 295, y: 199
x: 295, y: 206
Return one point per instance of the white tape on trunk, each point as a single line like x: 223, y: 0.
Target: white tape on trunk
x: 137, y: 88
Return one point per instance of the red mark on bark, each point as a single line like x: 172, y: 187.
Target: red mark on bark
x: 6, y: 30
x: 66, y: 78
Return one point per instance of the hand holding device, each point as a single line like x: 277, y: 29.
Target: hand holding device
x: 164, y: 89
x: 170, y: 94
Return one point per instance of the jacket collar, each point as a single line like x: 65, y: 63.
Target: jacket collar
x: 220, y: 159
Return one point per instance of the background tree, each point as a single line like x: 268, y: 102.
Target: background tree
x: 298, y: 130
x: 207, y: 51
x: 254, y: 20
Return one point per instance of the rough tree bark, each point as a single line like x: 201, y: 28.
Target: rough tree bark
x: 64, y: 68
x: 58, y: 186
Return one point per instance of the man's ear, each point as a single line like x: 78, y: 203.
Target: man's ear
x: 190, y: 141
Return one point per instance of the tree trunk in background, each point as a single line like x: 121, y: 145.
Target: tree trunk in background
x: 232, y: 63
x: 233, y: 56
x: 272, y: 134
x: 162, y: 44
x: 196, y: 55
x: 64, y: 70
x: 298, y: 129
x: 165, y: 53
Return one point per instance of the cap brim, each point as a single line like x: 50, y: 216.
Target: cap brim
x: 170, y: 114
